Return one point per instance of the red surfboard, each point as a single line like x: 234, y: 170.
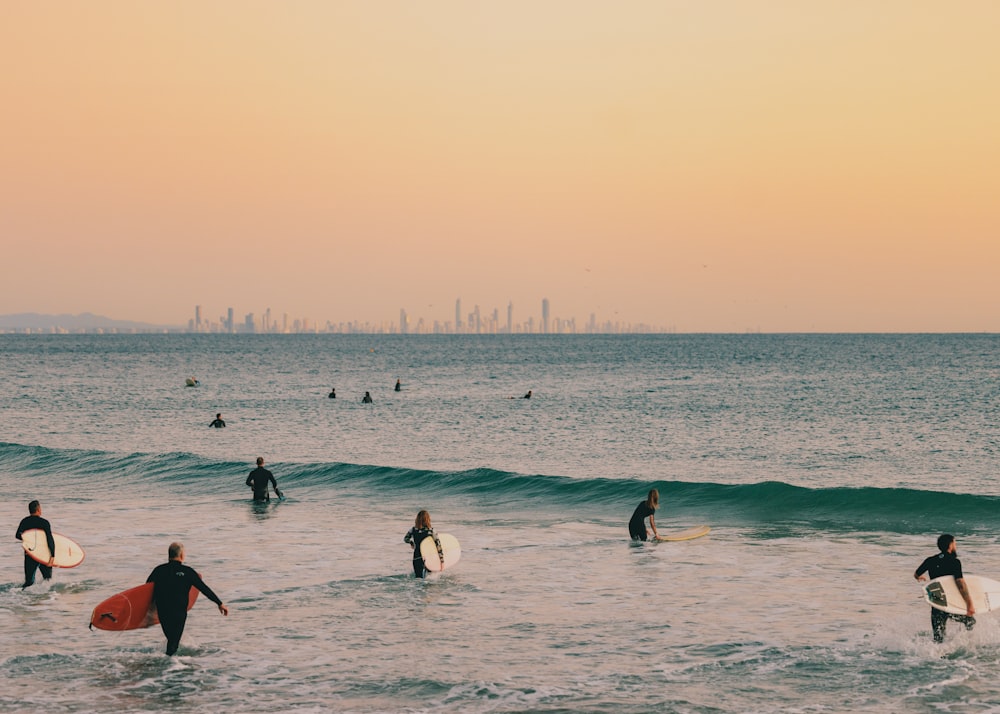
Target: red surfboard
x: 131, y: 609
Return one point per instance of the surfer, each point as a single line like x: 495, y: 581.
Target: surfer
x: 258, y: 481
x: 172, y: 583
x: 367, y: 399
x: 421, y: 529
x: 399, y: 387
x: 35, y: 520
x: 527, y: 396
x: 946, y: 563
x: 646, y: 509
x: 218, y: 423
x: 333, y: 393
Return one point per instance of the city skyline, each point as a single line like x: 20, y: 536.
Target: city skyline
x: 717, y: 167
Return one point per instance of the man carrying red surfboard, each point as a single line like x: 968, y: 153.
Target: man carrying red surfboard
x: 172, y: 582
x: 35, y: 520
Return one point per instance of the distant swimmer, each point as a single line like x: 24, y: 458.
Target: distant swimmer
x: 367, y: 398
x: 35, y: 520
x: 218, y: 423
x: 259, y: 479
x: 191, y: 382
x: 421, y: 529
x: 947, y: 563
x: 333, y: 393
x: 646, y: 509
x: 399, y: 387
x: 172, y: 583
x: 527, y: 396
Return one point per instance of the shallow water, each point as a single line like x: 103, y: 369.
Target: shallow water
x: 826, y: 466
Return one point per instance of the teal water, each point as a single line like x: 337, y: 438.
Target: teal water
x: 825, y: 464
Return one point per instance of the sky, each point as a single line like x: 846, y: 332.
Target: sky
x: 707, y: 166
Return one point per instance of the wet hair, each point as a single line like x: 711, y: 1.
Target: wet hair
x: 944, y: 542
x: 260, y: 460
x: 33, y: 507
x: 653, y: 499
x: 175, y: 550
x: 423, y: 520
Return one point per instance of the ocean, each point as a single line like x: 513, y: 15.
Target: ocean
x: 826, y: 465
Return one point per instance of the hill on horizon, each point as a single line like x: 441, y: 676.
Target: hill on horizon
x: 82, y: 321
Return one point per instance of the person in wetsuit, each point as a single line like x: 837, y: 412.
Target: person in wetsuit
x: 258, y: 480
x: 367, y: 399
x: 399, y: 387
x: 35, y: 520
x: 172, y: 583
x: 946, y: 563
x: 646, y: 509
x: 218, y: 423
x: 415, y: 536
x: 333, y: 393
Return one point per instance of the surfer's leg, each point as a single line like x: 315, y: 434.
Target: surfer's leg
x: 46, y: 571
x: 418, y: 567
x: 173, y: 628
x: 939, y: 621
x: 30, y: 566
x: 969, y: 622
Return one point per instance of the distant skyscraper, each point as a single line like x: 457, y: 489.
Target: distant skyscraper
x: 404, y: 326
x: 545, y: 315
x: 229, y: 321
x: 458, y: 315
x: 197, y: 318
x: 510, y: 318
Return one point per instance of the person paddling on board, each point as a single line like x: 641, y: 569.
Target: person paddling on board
x: 35, y: 520
x: 415, y: 536
x: 172, y: 583
x: 258, y: 480
x: 218, y: 423
x: 946, y: 563
x: 646, y: 509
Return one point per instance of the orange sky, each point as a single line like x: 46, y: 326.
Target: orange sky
x: 711, y: 166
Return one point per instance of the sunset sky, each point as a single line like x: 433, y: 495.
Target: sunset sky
x: 711, y: 166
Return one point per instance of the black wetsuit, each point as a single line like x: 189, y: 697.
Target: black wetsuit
x: 259, y: 479
x: 30, y: 564
x: 218, y: 424
x: 172, y: 583
x: 637, y: 524
x: 415, y: 537
x: 937, y: 566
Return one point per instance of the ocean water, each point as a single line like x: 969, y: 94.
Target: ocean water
x: 826, y: 465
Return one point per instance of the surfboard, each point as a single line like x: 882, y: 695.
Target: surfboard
x: 449, y: 547
x: 131, y: 609
x: 942, y: 593
x: 69, y: 554
x: 686, y: 534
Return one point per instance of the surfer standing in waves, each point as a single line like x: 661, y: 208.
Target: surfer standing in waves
x: 35, y: 520
x: 218, y: 423
x: 258, y: 480
x: 172, y: 583
x: 415, y: 536
x: 646, y: 509
x: 946, y: 563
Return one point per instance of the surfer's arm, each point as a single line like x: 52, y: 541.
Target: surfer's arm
x: 652, y: 523
x: 965, y: 594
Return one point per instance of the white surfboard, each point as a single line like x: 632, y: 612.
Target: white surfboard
x: 686, y: 534
x: 449, y: 547
x: 942, y: 593
x: 69, y: 554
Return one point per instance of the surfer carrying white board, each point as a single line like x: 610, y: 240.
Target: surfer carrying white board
x: 645, y: 509
x: 421, y: 529
x: 172, y: 583
x: 259, y: 479
x: 35, y: 520
x: 946, y: 563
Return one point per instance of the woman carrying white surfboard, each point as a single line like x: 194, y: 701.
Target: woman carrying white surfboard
x: 645, y: 509
x: 421, y: 529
